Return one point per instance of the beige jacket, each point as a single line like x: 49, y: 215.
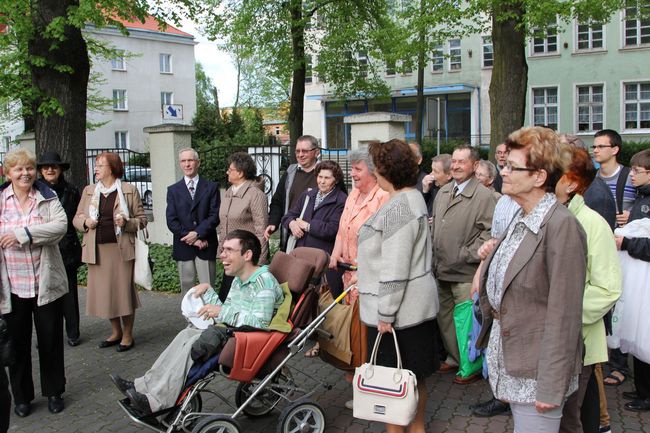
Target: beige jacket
x: 53, y: 282
x: 247, y: 209
x: 126, y: 241
x: 460, y: 226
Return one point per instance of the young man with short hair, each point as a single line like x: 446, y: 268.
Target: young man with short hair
x: 253, y: 298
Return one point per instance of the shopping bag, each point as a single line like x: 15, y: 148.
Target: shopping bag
x: 634, y: 322
x: 291, y: 242
x: 463, y: 323
x: 142, y: 275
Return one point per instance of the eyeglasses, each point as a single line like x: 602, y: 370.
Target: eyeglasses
x: 229, y: 251
x: 601, y: 146
x: 509, y: 167
x: 304, y: 151
x: 636, y: 171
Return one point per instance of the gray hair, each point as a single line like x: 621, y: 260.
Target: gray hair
x: 573, y: 140
x: 188, y: 149
x: 361, y: 155
x: 445, y: 160
x: 313, y: 141
x: 490, y: 167
x: 417, y: 150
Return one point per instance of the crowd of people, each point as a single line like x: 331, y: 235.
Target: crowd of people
x: 530, y: 240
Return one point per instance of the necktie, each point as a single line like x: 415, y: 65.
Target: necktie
x: 455, y: 192
x: 190, y: 186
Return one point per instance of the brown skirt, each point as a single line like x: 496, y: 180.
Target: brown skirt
x: 111, y: 292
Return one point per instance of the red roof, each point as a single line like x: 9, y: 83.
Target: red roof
x: 151, y: 24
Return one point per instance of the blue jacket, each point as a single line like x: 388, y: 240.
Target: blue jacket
x: 200, y: 215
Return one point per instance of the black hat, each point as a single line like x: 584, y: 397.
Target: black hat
x: 52, y: 158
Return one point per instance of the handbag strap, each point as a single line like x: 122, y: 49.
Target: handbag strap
x: 143, y: 234
x: 375, y: 349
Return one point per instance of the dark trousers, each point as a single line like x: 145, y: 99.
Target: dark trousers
x: 581, y: 412
x: 642, y: 378
x: 48, y: 320
x: 71, y: 306
x: 5, y: 401
x: 618, y: 361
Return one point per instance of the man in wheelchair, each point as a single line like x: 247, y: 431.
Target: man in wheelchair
x: 253, y: 298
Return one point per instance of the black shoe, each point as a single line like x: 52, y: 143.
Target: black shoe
x: 23, y: 409
x: 630, y: 395
x: 125, y: 348
x: 638, y: 405
x: 491, y: 408
x: 122, y: 384
x: 108, y: 343
x: 138, y: 401
x: 72, y: 342
x: 55, y: 403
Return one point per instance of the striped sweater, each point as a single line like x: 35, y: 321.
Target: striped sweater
x: 396, y: 284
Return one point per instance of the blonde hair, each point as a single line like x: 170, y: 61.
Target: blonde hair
x: 18, y: 156
x: 544, y: 151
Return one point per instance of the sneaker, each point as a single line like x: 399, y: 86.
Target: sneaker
x: 349, y: 404
x: 605, y: 429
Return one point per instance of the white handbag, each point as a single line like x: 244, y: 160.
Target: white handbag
x: 385, y: 394
x: 142, y: 269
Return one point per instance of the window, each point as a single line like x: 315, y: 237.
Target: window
x: 166, y: 98
x: 390, y: 68
x: 590, y: 36
x: 118, y: 63
x: 454, y: 55
x: 407, y: 67
x: 362, y: 58
x: 488, y: 54
x: 590, y: 107
x: 545, y: 107
x: 308, y: 69
x: 277, y: 130
x: 637, y: 105
x: 438, y: 59
x: 637, y: 22
x: 545, y: 41
x: 165, y: 63
x: 119, y: 100
x: 121, y: 139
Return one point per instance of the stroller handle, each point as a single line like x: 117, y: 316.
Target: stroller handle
x: 346, y: 266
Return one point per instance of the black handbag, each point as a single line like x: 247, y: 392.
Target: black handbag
x: 7, y: 352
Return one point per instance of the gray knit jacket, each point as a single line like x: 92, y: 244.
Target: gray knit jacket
x: 396, y: 284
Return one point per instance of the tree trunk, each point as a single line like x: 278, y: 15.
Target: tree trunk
x: 217, y: 110
x: 419, y: 102
x: 509, y: 73
x: 297, y: 99
x: 64, y: 133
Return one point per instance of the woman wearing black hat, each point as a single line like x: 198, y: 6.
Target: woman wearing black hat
x: 51, y: 169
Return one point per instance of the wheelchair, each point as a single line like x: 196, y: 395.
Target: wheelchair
x: 259, y: 361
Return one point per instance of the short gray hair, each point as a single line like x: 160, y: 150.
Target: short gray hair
x: 313, y: 141
x: 188, y: 149
x: 361, y: 155
x: 445, y: 160
x: 490, y: 167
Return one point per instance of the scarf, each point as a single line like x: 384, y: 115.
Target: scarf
x: 122, y: 208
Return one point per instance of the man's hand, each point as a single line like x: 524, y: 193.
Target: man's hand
x: 209, y: 311
x: 619, y: 242
x: 200, y: 289
x: 621, y: 218
x: 90, y: 223
x: 487, y: 248
x: 384, y: 327
x: 544, y: 407
x: 8, y: 240
x: 190, y: 238
x: 427, y: 181
x: 295, y: 229
x: 270, y: 229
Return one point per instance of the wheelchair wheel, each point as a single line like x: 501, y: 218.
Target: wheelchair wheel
x: 263, y: 403
x: 196, y: 404
x: 302, y: 416
x: 217, y: 424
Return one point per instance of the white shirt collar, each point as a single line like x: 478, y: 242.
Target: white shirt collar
x: 462, y: 186
x: 195, y: 179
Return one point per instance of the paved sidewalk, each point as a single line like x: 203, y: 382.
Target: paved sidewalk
x: 91, y: 399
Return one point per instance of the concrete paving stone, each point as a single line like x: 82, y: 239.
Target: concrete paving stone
x: 91, y: 399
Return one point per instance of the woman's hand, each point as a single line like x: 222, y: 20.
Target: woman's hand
x: 544, y: 407
x: 200, y: 289
x: 384, y: 327
x: 9, y: 240
x: 295, y: 229
x: 487, y: 247
x: 119, y: 219
x: 90, y: 223
x: 302, y: 224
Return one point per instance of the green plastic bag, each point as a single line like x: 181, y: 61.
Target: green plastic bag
x: 463, y: 322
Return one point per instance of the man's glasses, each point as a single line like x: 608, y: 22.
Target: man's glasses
x: 601, y: 146
x: 636, y: 171
x: 511, y: 168
x: 304, y: 151
x: 230, y: 251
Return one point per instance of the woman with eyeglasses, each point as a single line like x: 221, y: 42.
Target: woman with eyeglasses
x: 531, y: 289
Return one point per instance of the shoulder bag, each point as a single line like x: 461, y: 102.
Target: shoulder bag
x: 385, y: 394
x: 291, y: 242
x: 142, y: 272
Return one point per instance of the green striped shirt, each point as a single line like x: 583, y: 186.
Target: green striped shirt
x: 251, y: 303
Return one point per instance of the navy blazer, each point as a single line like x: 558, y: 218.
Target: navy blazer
x: 324, y: 221
x: 200, y: 215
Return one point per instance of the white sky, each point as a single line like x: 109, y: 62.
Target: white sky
x: 217, y: 64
